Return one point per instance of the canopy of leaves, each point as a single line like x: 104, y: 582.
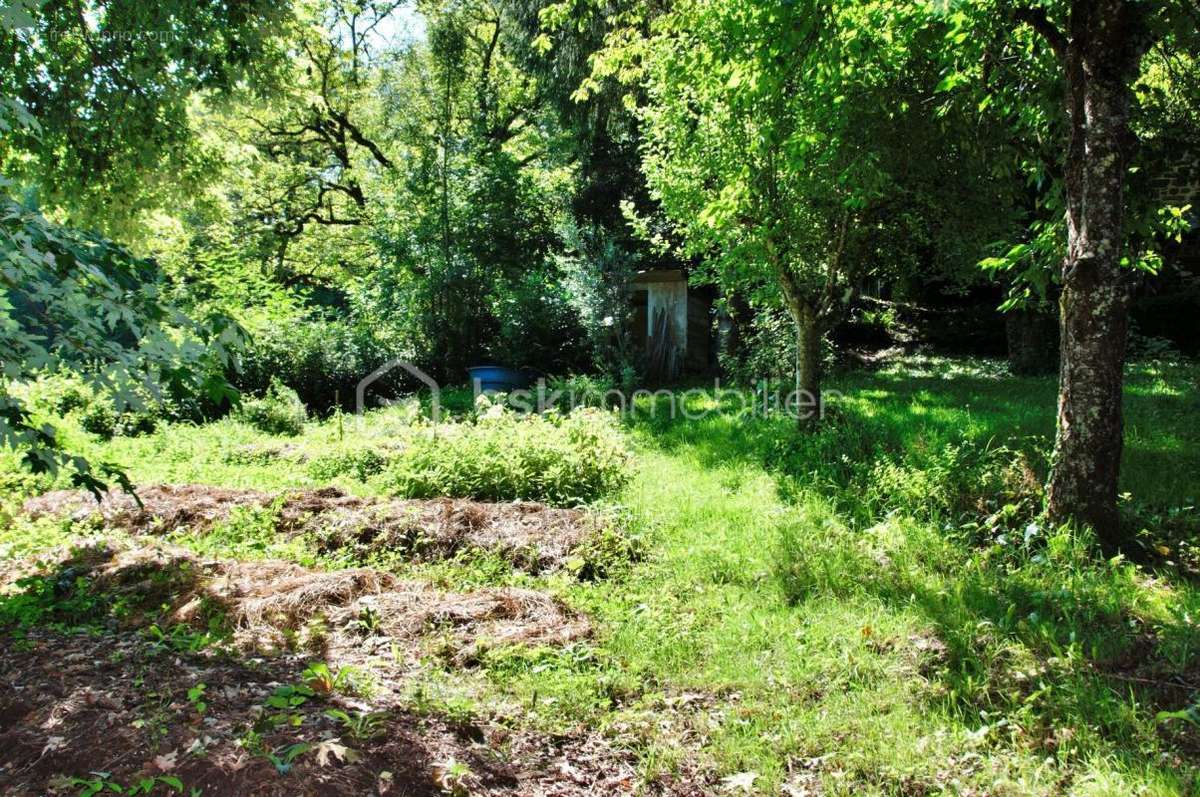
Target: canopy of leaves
x: 111, y: 83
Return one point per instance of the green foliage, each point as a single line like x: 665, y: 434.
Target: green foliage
x: 767, y: 349
x: 599, y: 271
x: 279, y: 411
x: 250, y: 532
x: 321, y: 359
x: 359, y: 463
x: 795, y: 181
x: 504, y: 456
x: 361, y: 726
x: 998, y: 62
x: 282, y: 704
x: 58, y: 393
x: 582, y: 390
x: 108, y: 95
x: 102, y: 420
x: 76, y: 301
x: 195, y: 696
x: 101, y: 782
x: 58, y: 600
x: 282, y: 757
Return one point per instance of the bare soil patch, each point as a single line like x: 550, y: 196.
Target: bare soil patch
x: 71, y: 705
x: 532, y: 536
x: 104, y: 694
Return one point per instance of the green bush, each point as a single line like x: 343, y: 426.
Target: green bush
x: 322, y: 359
x: 360, y: 463
x: 503, y: 456
x: 102, y: 419
x: 59, y: 393
x: 279, y: 411
x: 581, y: 391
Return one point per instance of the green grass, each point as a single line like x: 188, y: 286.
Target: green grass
x: 872, y: 607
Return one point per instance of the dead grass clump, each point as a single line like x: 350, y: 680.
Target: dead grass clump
x: 270, y: 605
x: 164, y: 507
x: 289, y: 599
x: 465, y: 624
x: 531, y: 536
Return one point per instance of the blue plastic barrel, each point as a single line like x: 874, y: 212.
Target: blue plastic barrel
x: 498, y: 378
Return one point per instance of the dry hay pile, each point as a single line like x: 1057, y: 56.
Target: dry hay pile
x: 532, y: 536
x: 164, y: 507
x: 344, y: 613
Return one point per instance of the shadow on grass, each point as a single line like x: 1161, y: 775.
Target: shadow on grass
x: 1043, y: 640
x: 909, y: 421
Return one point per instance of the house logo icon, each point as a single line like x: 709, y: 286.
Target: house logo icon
x: 360, y: 392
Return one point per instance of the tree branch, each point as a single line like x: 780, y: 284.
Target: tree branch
x: 1036, y: 18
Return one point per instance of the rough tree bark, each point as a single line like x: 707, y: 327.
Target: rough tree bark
x: 808, y: 364
x: 1101, y: 51
x: 808, y: 343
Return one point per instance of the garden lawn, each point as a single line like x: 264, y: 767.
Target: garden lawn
x: 871, y: 607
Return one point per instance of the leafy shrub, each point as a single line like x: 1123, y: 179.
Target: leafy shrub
x: 59, y: 393
x: 607, y: 554
x: 959, y: 480
x: 278, y: 411
x: 560, y: 460
x: 768, y: 349
x: 102, y: 419
x: 321, y: 359
x: 581, y: 391
x: 97, y: 410
x: 360, y: 463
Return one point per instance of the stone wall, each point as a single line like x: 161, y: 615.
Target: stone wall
x: 1178, y: 182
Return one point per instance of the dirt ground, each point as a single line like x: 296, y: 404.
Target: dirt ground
x: 534, y: 537
x: 114, y: 698
x: 77, y: 704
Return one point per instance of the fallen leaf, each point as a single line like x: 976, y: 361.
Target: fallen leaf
x: 54, y: 743
x: 166, y: 762
x: 331, y: 747
x: 742, y: 780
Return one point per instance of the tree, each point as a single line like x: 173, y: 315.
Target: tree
x: 1088, y: 62
x: 792, y: 150
x: 92, y: 100
x: 111, y: 82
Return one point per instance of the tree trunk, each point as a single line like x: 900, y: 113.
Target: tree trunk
x: 808, y: 364
x: 1101, y: 60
